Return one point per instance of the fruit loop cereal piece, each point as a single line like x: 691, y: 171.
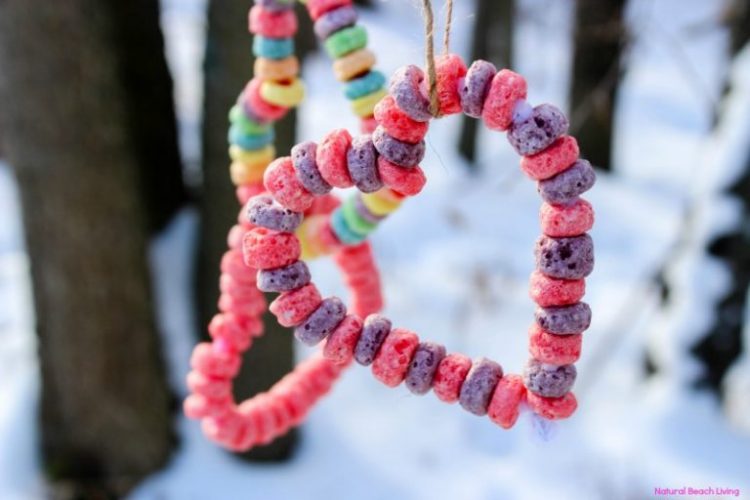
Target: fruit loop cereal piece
x: 406, y: 89
x: 565, y: 258
x: 266, y: 249
x: 261, y: 157
x: 564, y: 320
x: 334, y: 20
x: 475, y: 86
x: 397, y: 152
x: 276, y: 69
x: 242, y: 173
x: 253, y: 100
x: 549, y: 381
x: 286, y: 95
x: 555, y: 159
x: 345, y: 41
x: 264, y: 211
x: 567, y: 220
x: 284, y: 279
x: 361, y: 162
x: 544, y: 126
x: 365, y: 212
x: 480, y: 382
x: 340, y: 344
x: 450, y: 69
x: 365, y: 105
x: 506, y: 88
x: 566, y: 186
x: 449, y: 377
x: 272, y: 24
x: 321, y: 322
x: 317, y: 8
x: 303, y: 159
x: 272, y: 48
x: 554, y: 349
x: 546, y: 291
x: 406, y: 181
x: 275, y: 5
x: 353, y: 64
x: 376, y: 328
x: 292, y: 308
x: 249, y: 141
x: 344, y: 232
x: 364, y: 85
x: 393, y: 359
x: 552, y: 408
x: 282, y: 183
x: 424, y: 364
x: 397, y: 123
x: 503, y: 408
x: 331, y: 158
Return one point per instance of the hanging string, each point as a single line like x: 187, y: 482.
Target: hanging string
x: 429, y: 49
x: 447, y: 31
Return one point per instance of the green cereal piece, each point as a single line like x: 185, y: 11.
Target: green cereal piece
x: 345, y: 41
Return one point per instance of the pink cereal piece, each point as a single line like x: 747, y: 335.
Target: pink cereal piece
x: 506, y: 88
x: 331, y: 158
x: 560, y: 221
x: 272, y: 24
x: 368, y: 125
x: 397, y: 123
x: 554, y: 349
x: 280, y: 179
x: 393, y: 358
x: 555, y: 159
x: 547, y: 292
x: 260, y: 106
x: 225, y: 429
x: 211, y: 387
x: 247, y: 191
x: 266, y: 249
x: 450, y: 376
x: 339, y: 347
x: 248, y: 306
x: 233, y: 264
x: 317, y: 8
x: 199, y: 406
x: 552, y: 408
x: 449, y: 68
x: 292, y: 308
x: 405, y: 181
x: 214, y: 363
x: 236, y: 330
x: 503, y: 407
x: 234, y: 238
x: 323, y: 205
x: 232, y: 286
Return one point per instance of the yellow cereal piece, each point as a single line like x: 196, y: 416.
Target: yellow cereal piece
x: 378, y: 204
x: 244, y: 173
x: 276, y: 69
x: 364, y: 106
x: 353, y: 64
x: 286, y: 95
x: 306, y: 234
x: 253, y: 157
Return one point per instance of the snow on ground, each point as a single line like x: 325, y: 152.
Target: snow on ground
x: 455, y: 263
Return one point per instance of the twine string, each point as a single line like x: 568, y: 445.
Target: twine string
x: 429, y: 48
x: 447, y: 30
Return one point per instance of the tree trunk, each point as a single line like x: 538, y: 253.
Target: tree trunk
x: 68, y: 116
x: 228, y: 65
x: 738, y: 19
x: 492, y: 40
x: 599, y: 37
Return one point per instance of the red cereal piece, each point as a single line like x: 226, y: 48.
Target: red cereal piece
x: 339, y: 347
x: 260, y: 106
x: 397, y: 123
x: 214, y: 362
x: 555, y: 159
x: 317, y: 8
x: 224, y: 429
x: 552, y: 408
x: 560, y: 221
x: 450, y: 376
x: 199, y: 406
x: 323, y: 205
x: 239, y: 288
x: 368, y: 124
x: 236, y: 332
x: 282, y: 183
x: 281, y: 24
x: 393, y: 358
x: 234, y: 237
x: 449, y: 68
x: 503, y: 407
x: 247, y: 191
x: 554, y: 349
x: 546, y: 291
x: 506, y: 89
x: 233, y: 264
x: 247, y: 306
x: 405, y: 181
x: 292, y: 308
x: 211, y: 387
x: 266, y: 249
x: 331, y: 158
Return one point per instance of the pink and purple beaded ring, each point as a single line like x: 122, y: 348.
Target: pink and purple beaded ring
x: 386, y: 166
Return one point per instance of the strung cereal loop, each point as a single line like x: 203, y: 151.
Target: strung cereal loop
x: 564, y: 252
x: 266, y: 99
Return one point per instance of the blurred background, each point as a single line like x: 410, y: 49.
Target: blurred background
x: 115, y: 201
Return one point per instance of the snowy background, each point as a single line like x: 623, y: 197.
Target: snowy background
x: 455, y: 264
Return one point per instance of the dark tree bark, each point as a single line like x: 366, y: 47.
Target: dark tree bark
x: 492, y: 40
x: 228, y: 66
x: 599, y: 38
x: 738, y: 19
x: 67, y: 114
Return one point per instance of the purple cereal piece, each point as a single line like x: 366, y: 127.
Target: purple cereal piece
x: 283, y: 279
x: 475, y: 86
x: 264, y: 211
x: 565, y: 320
x: 398, y: 152
x: 423, y: 366
x: 334, y: 20
x: 361, y: 161
x: 374, y: 331
x: 406, y: 89
x: 364, y: 212
x: 479, y: 384
x: 321, y: 322
x: 303, y: 159
x: 565, y: 258
x: 275, y: 5
x: 549, y: 381
x: 545, y: 125
x: 566, y: 186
